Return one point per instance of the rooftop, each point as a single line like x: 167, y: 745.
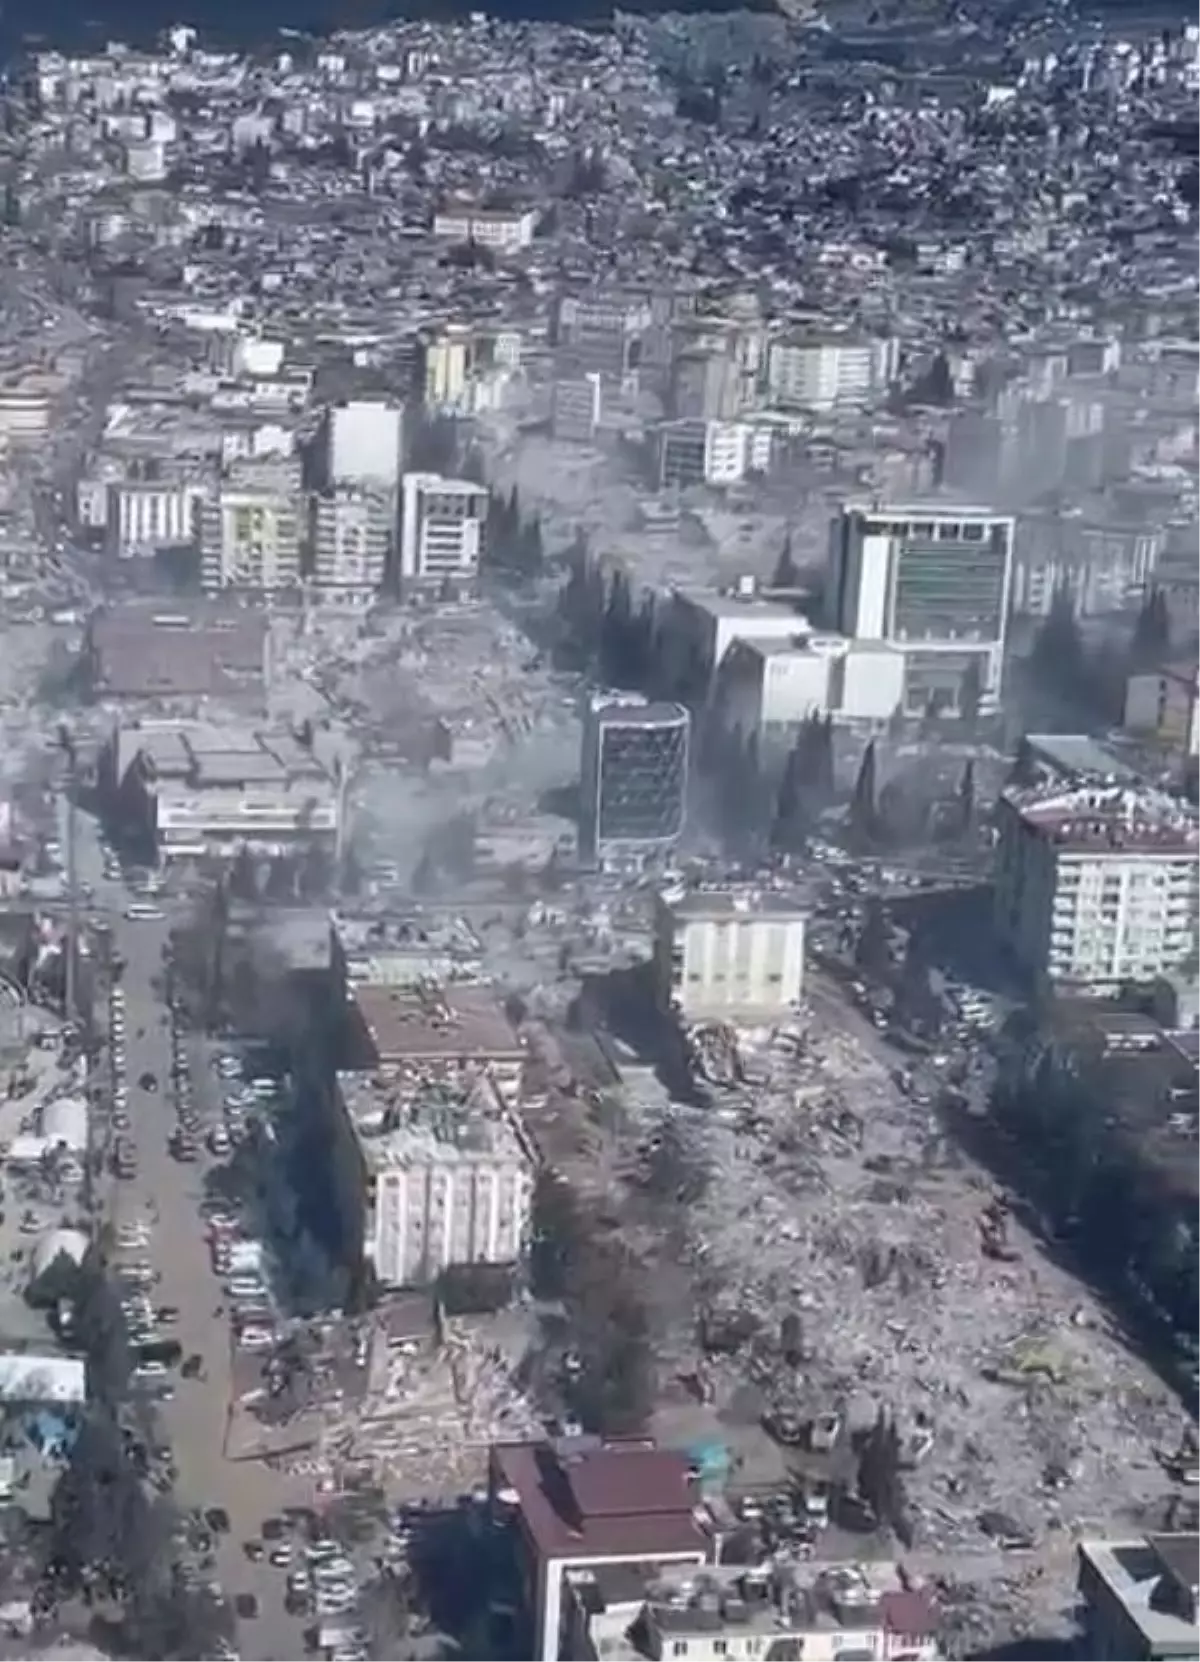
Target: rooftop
x: 700, y: 904
x: 1115, y: 819
x: 151, y: 650
x: 398, y: 1126
x: 1154, y: 1578
x: 1078, y: 757
x: 429, y: 1024
x: 581, y: 1498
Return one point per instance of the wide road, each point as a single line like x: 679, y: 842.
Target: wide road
x: 169, y: 1193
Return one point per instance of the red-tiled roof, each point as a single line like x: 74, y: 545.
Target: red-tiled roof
x: 611, y: 1500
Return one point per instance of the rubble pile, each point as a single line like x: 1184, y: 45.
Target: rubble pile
x: 835, y: 1205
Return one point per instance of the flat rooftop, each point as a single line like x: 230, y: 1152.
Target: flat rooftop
x: 1154, y: 1578
x: 399, y: 1126
x: 155, y: 650
x: 724, y: 903
x: 1111, y: 819
x: 1077, y: 756
x: 434, y: 1024
x: 211, y: 755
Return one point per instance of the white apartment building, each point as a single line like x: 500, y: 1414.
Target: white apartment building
x: 352, y: 533
x: 1096, y: 885
x: 142, y: 516
x: 821, y: 1612
x: 1163, y: 703
x: 700, y: 625
x: 250, y: 531
x: 771, y: 687
x: 447, y: 366
x: 828, y: 372
x: 364, y: 443
x: 932, y: 580
x: 444, y: 1175
x: 442, y: 527
x: 729, y: 954
x: 500, y: 230
x: 715, y: 453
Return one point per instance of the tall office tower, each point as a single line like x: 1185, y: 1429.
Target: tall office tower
x: 442, y: 527
x: 364, y: 441
x: 352, y: 533
x: 933, y: 582
x: 634, y: 778
x: 250, y: 531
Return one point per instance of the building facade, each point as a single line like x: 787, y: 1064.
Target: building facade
x: 1096, y: 885
x: 442, y: 1176
x: 364, y: 443
x: 352, y: 536
x: 634, y: 778
x: 729, y: 954
x: 1139, y: 1598
x: 1161, y: 703
x: 499, y: 230
x: 933, y: 581
x: 250, y: 531
x: 143, y: 516
x: 443, y: 526
x: 829, y: 372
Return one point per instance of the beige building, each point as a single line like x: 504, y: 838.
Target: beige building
x: 729, y: 954
x: 1161, y: 703
x: 500, y: 230
x: 1096, y: 885
x: 433, y: 1168
x: 250, y: 531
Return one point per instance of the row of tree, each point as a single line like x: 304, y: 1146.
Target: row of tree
x: 1093, y: 679
x: 577, y: 1259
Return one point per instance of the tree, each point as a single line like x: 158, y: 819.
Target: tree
x: 966, y: 798
x: 786, y: 575
x: 1057, y: 655
x: 862, y: 803
x: 970, y: 692
x: 917, y: 1004
x: 873, y: 954
x: 1151, y: 632
x: 880, y: 1483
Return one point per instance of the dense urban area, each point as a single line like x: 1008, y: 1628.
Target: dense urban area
x: 598, y: 840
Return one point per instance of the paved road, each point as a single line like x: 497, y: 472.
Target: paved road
x: 169, y: 1193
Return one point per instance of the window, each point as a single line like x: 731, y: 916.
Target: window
x: 679, y: 1648
x: 720, y: 1648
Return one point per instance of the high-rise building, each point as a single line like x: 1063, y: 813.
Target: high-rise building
x: 1096, y: 884
x: 364, y: 440
x: 352, y: 534
x: 634, y: 778
x: 576, y: 407
x: 250, y: 530
x: 442, y: 528
x: 933, y: 581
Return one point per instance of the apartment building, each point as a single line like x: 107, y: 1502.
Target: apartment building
x: 1096, y: 885
x: 714, y: 453
x: 818, y: 1612
x: 433, y: 1174
x: 442, y: 529
x: 1139, y: 1598
x: 828, y: 372
x: 729, y: 954
x: 1162, y: 704
x: 580, y: 1506
x: 364, y: 440
x: 143, y: 516
x: 352, y: 536
x: 932, y: 580
x: 600, y: 334
x: 501, y: 230
x: 250, y: 530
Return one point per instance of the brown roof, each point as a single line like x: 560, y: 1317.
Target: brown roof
x: 444, y: 1024
x: 141, y: 650
x: 606, y: 1500
x: 909, y: 1612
